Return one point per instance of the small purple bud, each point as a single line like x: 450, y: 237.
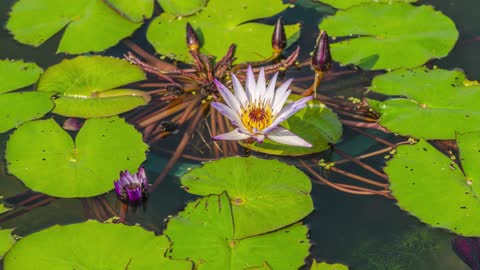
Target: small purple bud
x: 132, y: 188
x: 279, y: 39
x: 73, y: 124
x: 321, y: 59
x: 192, y: 39
x: 134, y: 192
x: 468, y: 249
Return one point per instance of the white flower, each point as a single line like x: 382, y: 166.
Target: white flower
x: 258, y: 111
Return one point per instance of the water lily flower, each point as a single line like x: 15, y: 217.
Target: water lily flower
x: 258, y: 111
x: 132, y: 187
x: 468, y: 249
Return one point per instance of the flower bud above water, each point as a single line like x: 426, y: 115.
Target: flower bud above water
x: 279, y: 39
x: 321, y: 58
x: 192, y: 38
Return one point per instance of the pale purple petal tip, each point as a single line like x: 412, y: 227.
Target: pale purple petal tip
x: 285, y: 136
x: 118, y: 187
x: 233, y: 135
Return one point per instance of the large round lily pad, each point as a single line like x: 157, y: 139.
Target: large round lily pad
x: 316, y: 123
x: 218, y: 25
x: 429, y: 104
x: 432, y: 187
x: 135, y: 11
x: 204, y: 231
x: 6, y: 241
x: 343, y: 4
x: 15, y: 74
x: 389, y: 36
x: 90, y: 25
x: 271, y: 193
x: 87, y: 86
x: 45, y: 158
x: 92, y: 245
x: 182, y: 8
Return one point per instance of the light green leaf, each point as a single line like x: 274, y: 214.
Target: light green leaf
x: 92, y: 245
x: 203, y: 232
x: 53, y: 164
x: 218, y: 25
x: 182, y: 7
x: 86, y: 85
x: 432, y: 187
x: 316, y: 124
x: 90, y: 25
x: 327, y: 266
x: 429, y: 104
x: 343, y: 4
x: 16, y: 74
x: 6, y: 241
x: 400, y: 35
x: 135, y: 11
x: 260, y: 190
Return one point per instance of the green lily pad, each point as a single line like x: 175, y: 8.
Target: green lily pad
x: 6, y: 241
x: 260, y: 190
x: 16, y: 74
x: 316, y: 123
x: 183, y: 7
x: 432, y: 187
x: 327, y: 266
x: 204, y: 231
x: 218, y: 25
x: 429, y: 104
x: 401, y: 35
x: 134, y: 11
x: 92, y: 245
x: 55, y: 165
x: 4, y: 209
x: 90, y: 25
x: 86, y: 86
x: 343, y: 4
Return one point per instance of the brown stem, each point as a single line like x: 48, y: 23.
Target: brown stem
x: 213, y: 125
x: 25, y: 210
x: 361, y: 164
x: 365, y: 125
x: 160, y: 115
x: 152, y: 60
x: 358, y: 177
x: 377, y: 139
x: 222, y: 129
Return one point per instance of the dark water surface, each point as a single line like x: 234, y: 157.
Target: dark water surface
x: 363, y: 232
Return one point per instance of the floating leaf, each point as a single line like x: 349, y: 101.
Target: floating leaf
x: 87, y: 83
x: 343, y: 4
x: 182, y: 8
x: 6, y: 241
x: 134, y: 11
x: 90, y: 25
x: 53, y: 164
x: 260, y: 190
x: 316, y: 124
x: 231, y: 21
x: 92, y: 245
x: 204, y: 231
x: 3, y: 208
x: 327, y: 266
x: 400, y: 35
x: 429, y: 104
x: 16, y: 74
x: 432, y: 187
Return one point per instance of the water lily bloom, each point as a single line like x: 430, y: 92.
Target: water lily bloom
x: 132, y: 187
x: 258, y: 111
x: 468, y: 249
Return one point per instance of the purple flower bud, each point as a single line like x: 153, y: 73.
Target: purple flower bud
x: 192, y: 39
x: 321, y: 59
x: 279, y: 39
x: 468, y: 249
x: 73, y: 124
x: 132, y: 188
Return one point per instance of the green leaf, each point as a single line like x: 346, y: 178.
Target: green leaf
x: 316, y: 124
x: 327, y: 266
x: 4, y: 209
x: 6, y: 241
x: 432, y: 187
x: 260, y: 190
x: 92, y: 245
x: 53, y: 164
x: 182, y: 7
x: 343, y: 4
x: 86, y: 85
x: 400, y: 35
x: 218, y: 25
x: 203, y: 232
x: 429, y: 104
x: 134, y: 11
x: 16, y: 74
x: 90, y: 25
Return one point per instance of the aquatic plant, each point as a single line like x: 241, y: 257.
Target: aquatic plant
x: 132, y: 187
x: 468, y: 249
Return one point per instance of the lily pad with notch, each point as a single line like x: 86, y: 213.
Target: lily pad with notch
x: 260, y: 190
x: 210, y: 242
x: 232, y: 23
x: 134, y: 11
x: 87, y: 86
x: 70, y: 247
x: 56, y: 165
x: 428, y: 104
x: 401, y: 35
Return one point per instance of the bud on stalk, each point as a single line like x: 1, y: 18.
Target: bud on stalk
x: 192, y: 39
x: 279, y: 39
x: 321, y: 59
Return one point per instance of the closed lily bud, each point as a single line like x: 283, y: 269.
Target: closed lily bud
x: 321, y: 59
x: 279, y: 39
x: 192, y: 39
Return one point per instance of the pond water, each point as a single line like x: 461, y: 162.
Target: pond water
x: 364, y: 232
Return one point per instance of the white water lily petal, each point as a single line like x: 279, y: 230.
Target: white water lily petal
x: 229, y: 98
x: 261, y: 84
x: 288, y: 111
x: 285, y: 136
x: 233, y: 135
x: 270, y: 92
x: 227, y: 112
x: 239, y: 91
x: 281, y: 96
x: 251, y: 85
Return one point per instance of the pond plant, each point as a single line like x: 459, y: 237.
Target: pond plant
x: 216, y: 98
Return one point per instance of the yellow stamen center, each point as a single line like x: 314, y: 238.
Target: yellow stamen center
x: 256, y: 116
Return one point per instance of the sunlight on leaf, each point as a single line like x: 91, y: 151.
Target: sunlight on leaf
x: 327, y: 266
x: 16, y: 74
x: 182, y: 7
x: 343, y: 4
x: 6, y: 241
x: 135, y: 11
